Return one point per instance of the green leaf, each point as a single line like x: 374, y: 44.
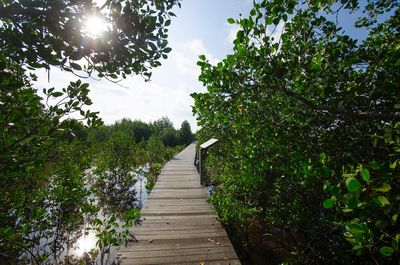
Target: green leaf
x: 153, y: 47
x: 167, y: 50
x: 352, y: 202
x: 365, y: 175
x: 357, y: 229
x: 329, y: 203
x: 240, y: 34
x: 268, y: 20
x: 315, y: 66
x: 325, y: 172
x: 383, y: 200
x: 75, y: 66
x: 231, y: 21
x: 386, y: 251
x: 84, y: 86
x: 375, y: 165
x: 57, y: 94
x: 394, y: 164
x: 394, y: 218
x: 322, y: 158
x: 352, y: 184
x: 384, y: 188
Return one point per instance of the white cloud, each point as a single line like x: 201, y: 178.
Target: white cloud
x: 145, y: 102
x: 232, y: 31
x: 196, y: 46
x: 187, y: 56
x: 275, y: 31
x: 168, y: 94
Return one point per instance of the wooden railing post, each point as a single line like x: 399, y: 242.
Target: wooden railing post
x: 202, y: 157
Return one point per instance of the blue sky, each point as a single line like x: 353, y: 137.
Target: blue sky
x: 200, y: 28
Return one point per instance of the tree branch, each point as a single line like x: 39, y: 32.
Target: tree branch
x: 23, y: 247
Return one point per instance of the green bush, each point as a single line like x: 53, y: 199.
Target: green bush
x: 308, y: 122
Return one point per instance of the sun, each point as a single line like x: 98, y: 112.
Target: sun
x: 85, y: 244
x: 94, y: 26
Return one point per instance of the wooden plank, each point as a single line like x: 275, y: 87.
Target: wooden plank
x: 203, y: 257
x: 178, y: 226
x: 173, y: 201
x: 176, y: 243
x: 165, y: 224
x: 178, y: 252
x: 155, y: 237
x: 163, y: 194
x: 178, y: 207
x: 179, y: 230
x: 209, y: 143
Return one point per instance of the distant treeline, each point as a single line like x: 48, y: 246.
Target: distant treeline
x: 139, y: 131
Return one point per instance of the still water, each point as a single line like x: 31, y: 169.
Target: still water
x: 82, y: 248
x: 87, y: 241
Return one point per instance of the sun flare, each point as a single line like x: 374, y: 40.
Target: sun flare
x: 95, y: 26
x: 85, y: 244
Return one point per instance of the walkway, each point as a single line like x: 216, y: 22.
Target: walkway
x: 179, y: 226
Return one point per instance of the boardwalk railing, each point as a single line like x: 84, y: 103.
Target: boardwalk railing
x: 202, y: 157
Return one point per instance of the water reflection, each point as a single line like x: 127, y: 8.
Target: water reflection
x: 140, y: 188
x: 85, y: 244
x: 209, y: 189
x: 77, y: 243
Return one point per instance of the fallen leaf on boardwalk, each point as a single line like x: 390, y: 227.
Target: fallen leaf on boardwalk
x: 202, y: 263
x: 150, y: 240
x: 177, y: 245
x: 218, y: 243
x: 211, y: 240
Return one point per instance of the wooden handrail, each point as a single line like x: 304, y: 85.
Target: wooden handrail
x: 202, y: 156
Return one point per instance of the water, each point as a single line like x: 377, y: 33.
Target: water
x: 140, y: 188
x: 209, y: 189
x: 84, y: 247
x: 87, y: 242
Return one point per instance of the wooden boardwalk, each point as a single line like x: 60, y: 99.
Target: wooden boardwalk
x: 179, y: 226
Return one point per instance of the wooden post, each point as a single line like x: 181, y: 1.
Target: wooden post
x: 202, y: 156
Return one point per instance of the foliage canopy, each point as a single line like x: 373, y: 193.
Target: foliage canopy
x: 44, y: 33
x: 45, y: 196
x: 308, y: 119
